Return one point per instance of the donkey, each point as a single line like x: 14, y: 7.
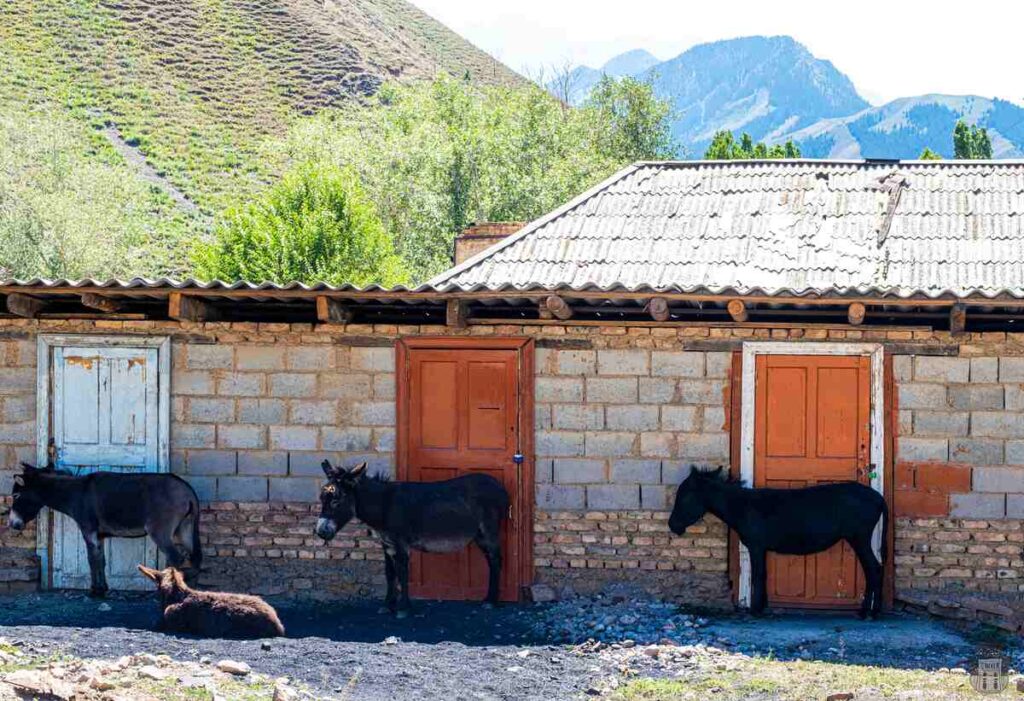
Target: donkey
x: 111, y: 504
x: 211, y: 614
x: 789, y: 521
x: 432, y: 517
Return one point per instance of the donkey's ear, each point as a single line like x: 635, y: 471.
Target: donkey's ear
x: 179, y: 578
x: 330, y: 470
x: 19, y: 480
x: 357, y: 471
x: 149, y: 573
x: 29, y: 468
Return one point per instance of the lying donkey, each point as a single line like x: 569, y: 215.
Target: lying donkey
x: 432, y: 517
x: 111, y: 504
x: 789, y: 521
x: 211, y: 614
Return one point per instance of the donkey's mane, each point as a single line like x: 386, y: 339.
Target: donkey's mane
x: 724, y: 477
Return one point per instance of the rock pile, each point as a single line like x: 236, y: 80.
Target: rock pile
x: 617, y: 619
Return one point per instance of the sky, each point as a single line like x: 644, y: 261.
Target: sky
x: 888, y: 48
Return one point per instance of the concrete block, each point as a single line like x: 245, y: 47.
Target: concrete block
x: 259, y: 358
x: 558, y: 389
x: 1011, y: 369
x: 373, y: 359
x: 903, y: 368
x: 179, y: 463
x: 205, y: 488
x: 577, y: 416
x: 250, y: 489
x: 657, y: 444
x: 657, y: 390
x: 623, y: 362
x: 211, y: 410
x: 1014, y: 397
x: 940, y: 423
x: 656, y: 497
x: 384, y: 386
x: 984, y: 370
x: 610, y: 444
x: 636, y: 471
x: 612, y: 497
x: 343, y: 385
x: 717, y: 364
x: 294, y: 489
x: 557, y: 497
x: 679, y: 418
x: 191, y: 383
x: 14, y: 433
x: 543, y: 471
x: 977, y: 505
x: 542, y: 418
x: 673, y: 472
x: 1015, y: 506
x: 998, y: 479
x: 308, y: 464
x: 922, y: 449
x: 612, y: 390
x: 373, y: 413
x: 310, y: 357
x: 997, y: 424
x: 241, y: 436
x: 17, y: 380
x: 313, y: 412
x: 929, y: 368
x: 293, y: 437
x: 559, y: 443
x: 544, y: 361
x: 263, y: 462
x: 704, y: 446
x: 209, y: 357
x: 976, y: 451
x: 976, y: 396
x: 633, y: 417
x: 292, y: 384
x: 193, y: 435
x: 573, y: 471
x: 575, y: 362
x: 212, y: 462
x: 384, y: 440
x: 346, y: 439
x: 708, y: 392
x: 913, y: 395
x: 240, y: 384
x: 714, y: 419
x: 262, y: 411
x: 677, y: 363
x: 1015, y: 452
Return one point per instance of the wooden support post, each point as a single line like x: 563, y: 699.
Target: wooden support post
x: 104, y: 304
x: 957, y: 319
x: 658, y: 307
x: 737, y: 310
x: 23, y: 305
x: 331, y: 311
x: 188, y: 308
x: 558, y: 307
x: 456, y: 313
x: 856, y: 313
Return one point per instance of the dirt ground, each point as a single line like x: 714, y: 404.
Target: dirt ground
x: 462, y: 651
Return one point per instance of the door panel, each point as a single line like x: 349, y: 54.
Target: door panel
x: 812, y: 426
x: 105, y: 417
x: 462, y: 408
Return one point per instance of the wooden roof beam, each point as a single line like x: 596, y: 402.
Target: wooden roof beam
x: 737, y: 310
x: 558, y: 307
x: 25, y: 306
x: 958, y: 319
x: 332, y: 311
x: 101, y: 302
x: 457, y: 313
x: 856, y: 313
x: 658, y: 309
x: 190, y: 308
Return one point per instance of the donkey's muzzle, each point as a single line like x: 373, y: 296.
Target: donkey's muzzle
x: 15, y: 522
x: 676, y: 527
x: 326, y: 528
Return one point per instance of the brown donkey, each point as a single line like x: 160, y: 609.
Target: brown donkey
x: 211, y: 614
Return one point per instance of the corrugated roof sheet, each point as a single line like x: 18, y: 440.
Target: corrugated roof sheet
x: 775, y: 227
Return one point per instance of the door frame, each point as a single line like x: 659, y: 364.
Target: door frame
x: 45, y: 343
x: 525, y: 498
x: 751, y: 350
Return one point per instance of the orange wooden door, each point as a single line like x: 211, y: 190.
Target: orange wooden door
x: 463, y: 416
x: 812, y: 425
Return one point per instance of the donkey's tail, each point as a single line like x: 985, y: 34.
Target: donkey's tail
x: 882, y: 548
x: 197, y: 547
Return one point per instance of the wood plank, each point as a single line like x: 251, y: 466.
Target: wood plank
x: 456, y: 313
x: 24, y: 305
x: 694, y: 324
x: 190, y: 308
x: 658, y: 308
x: 101, y: 302
x: 558, y: 307
x: 332, y: 311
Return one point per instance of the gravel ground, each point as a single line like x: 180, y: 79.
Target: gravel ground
x: 463, y: 651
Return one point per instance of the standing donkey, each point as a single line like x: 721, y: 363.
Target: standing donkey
x: 106, y: 504
x: 432, y: 517
x: 789, y: 521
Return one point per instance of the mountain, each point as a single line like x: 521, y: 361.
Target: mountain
x: 171, y: 105
x: 581, y: 79
x: 904, y: 127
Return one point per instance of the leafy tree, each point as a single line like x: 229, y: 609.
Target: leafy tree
x: 929, y: 155
x: 971, y: 142
x: 316, y: 224
x: 724, y: 147
x: 629, y: 122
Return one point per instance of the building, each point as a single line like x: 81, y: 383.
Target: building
x: 800, y: 321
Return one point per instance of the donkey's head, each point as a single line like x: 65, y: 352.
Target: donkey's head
x: 690, y: 503
x: 337, y: 498
x: 28, y: 497
x: 170, y: 583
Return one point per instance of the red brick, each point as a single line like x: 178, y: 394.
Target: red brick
x: 944, y: 477
x: 914, y: 503
x: 905, y: 475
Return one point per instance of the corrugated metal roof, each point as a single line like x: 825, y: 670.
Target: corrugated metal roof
x: 775, y: 227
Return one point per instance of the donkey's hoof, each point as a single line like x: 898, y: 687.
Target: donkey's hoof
x: 96, y: 593
x: 401, y: 614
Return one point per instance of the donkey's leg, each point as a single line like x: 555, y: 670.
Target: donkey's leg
x: 872, y: 601
x: 401, y: 558
x: 489, y: 542
x: 163, y: 535
x: 97, y: 564
x: 758, y: 581
x: 389, y: 574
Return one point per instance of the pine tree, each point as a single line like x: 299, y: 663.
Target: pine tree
x: 725, y: 147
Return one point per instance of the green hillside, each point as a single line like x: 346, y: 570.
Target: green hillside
x: 142, y: 119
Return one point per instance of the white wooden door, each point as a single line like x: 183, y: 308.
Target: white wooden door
x: 105, y: 416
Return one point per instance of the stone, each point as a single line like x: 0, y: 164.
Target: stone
x: 232, y: 667
x: 542, y: 594
x: 391, y: 640
x: 570, y: 471
x: 677, y: 363
x: 153, y: 672
x: 283, y: 692
x: 101, y: 684
x: 840, y: 696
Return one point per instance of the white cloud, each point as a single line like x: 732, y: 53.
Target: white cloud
x: 889, y: 48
